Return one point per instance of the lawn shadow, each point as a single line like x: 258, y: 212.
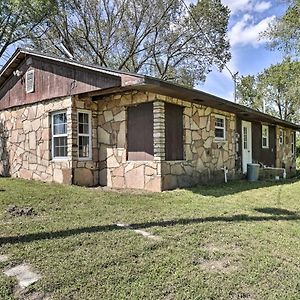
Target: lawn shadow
x: 234, y: 187
x: 277, y: 215
x: 275, y: 211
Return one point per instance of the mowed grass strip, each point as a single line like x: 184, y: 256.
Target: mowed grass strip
x: 232, y: 241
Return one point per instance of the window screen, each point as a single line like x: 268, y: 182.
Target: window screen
x: 140, y: 132
x: 173, y: 132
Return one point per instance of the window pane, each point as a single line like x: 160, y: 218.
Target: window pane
x: 219, y: 122
x: 264, y: 142
x: 60, y: 118
x: 219, y: 133
x: 83, y: 118
x: 59, y: 129
x: 245, y: 133
x: 83, y: 123
x: 60, y: 146
x: 84, y: 146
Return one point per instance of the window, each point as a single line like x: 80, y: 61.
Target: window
x: 29, y: 81
x: 293, y: 142
x: 84, y: 135
x: 245, y: 137
x: 220, y: 128
x: 281, y: 137
x: 173, y: 132
x: 265, y: 136
x: 59, y: 135
x: 140, y: 132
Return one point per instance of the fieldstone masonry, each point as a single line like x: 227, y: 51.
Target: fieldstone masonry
x: 204, y: 156
x: 25, y: 135
x: 284, y: 156
x: 25, y: 144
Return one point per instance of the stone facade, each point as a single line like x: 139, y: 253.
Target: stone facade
x: 284, y: 156
x: 204, y: 157
x: 25, y: 135
x: 25, y: 143
x: 115, y: 170
x: 85, y: 171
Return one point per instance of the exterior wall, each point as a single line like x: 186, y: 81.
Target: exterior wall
x: 25, y: 135
x: 115, y: 170
x: 284, y: 157
x: 267, y: 156
x: 52, y: 80
x: 85, y: 171
x: 204, y: 157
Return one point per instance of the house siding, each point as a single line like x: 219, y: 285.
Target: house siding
x: 25, y: 136
x: 266, y: 156
x: 52, y: 80
x: 204, y: 157
x: 284, y: 157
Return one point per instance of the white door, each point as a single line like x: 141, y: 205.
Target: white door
x: 246, y: 144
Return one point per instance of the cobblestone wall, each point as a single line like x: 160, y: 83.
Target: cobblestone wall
x: 284, y: 156
x: 115, y: 170
x: 25, y: 137
x: 204, y: 157
x: 25, y: 143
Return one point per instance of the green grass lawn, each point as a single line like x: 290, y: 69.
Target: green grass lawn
x: 235, y: 241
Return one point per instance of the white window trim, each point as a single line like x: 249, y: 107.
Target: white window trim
x: 88, y: 112
x: 26, y: 81
x: 267, y: 137
x: 57, y: 135
x: 293, y: 143
x: 281, y: 135
x: 219, y: 127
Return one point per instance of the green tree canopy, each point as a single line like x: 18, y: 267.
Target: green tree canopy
x: 284, y: 33
x: 19, y: 19
x: 277, y: 89
x: 155, y: 37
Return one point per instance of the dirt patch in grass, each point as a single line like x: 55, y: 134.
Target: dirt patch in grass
x: 218, y: 265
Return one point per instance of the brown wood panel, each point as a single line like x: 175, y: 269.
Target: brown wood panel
x: 52, y: 80
x: 140, y: 132
x: 173, y: 132
x: 265, y: 156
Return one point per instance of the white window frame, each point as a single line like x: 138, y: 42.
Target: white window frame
x: 89, y: 135
x: 266, y: 137
x: 293, y: 143
x: 219, y: 127
x: 58, y: 135
x: 281, y: 137
x: 31, y: 90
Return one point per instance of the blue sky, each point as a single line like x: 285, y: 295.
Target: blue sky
x: 248, y: 19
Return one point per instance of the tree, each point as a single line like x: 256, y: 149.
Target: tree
x: 20, y: 18
x: 284, y: 33
x: 155, y: 37
x: 277, y: 88
x: 247, y: 92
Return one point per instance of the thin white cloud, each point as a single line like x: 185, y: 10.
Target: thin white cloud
x: 246, y: 32
x: 262, y: 6
x: 238, y: 5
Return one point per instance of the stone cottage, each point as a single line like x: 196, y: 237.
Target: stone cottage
x: 75, y: 123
